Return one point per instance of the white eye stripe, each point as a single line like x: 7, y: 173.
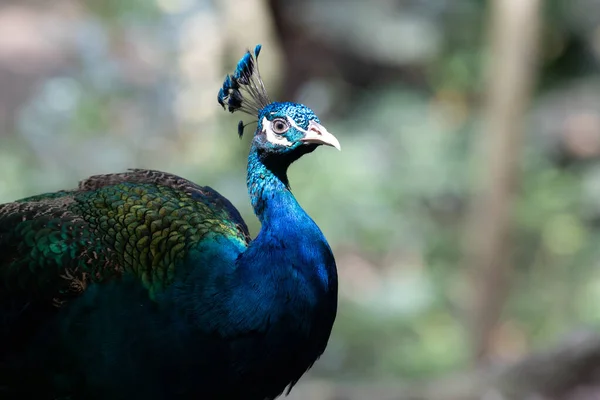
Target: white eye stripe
x: 295, y: 126
x: 272, y: 137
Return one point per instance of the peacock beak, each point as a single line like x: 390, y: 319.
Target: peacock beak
x: 316, y: 133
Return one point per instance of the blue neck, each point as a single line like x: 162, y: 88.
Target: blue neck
x: 289, y: 259
x: 269, y: 191
x: 288, y: 234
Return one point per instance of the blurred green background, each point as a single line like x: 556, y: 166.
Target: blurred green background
x: 90, y: 87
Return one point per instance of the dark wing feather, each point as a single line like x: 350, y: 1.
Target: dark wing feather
x: 48, y: 254
x: 46, y: 248
x: 54, y: 246
x: 140, y: 223
x: 204, y: 194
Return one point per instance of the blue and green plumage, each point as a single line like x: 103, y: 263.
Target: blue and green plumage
x: 145, y: 285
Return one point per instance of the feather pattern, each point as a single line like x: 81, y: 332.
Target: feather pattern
x: 140, y: 222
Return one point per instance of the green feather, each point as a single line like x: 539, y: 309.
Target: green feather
x: 139, y: 224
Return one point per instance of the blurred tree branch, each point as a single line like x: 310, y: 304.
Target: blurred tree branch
x: 511, y: 73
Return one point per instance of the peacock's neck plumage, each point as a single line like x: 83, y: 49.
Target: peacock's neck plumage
x: 282, y: 287
x: 289, y: 243
x: 268, y: 188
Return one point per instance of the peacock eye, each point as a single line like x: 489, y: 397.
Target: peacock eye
x: 280, y: 126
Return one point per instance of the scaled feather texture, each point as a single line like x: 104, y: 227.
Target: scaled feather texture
x: 144, y: 285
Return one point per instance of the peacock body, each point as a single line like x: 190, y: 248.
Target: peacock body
x: 144, y: 285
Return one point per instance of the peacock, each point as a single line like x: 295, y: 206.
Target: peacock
x: 145, y: 285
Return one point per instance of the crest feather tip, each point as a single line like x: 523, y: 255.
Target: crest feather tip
x: 240, y: 129
x: 244, y: 90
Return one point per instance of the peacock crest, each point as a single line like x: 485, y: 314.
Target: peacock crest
x: 245, y: 90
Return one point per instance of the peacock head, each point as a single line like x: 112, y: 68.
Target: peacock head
x: 285, y: 131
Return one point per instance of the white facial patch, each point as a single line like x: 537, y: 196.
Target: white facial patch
x: 295, y: 126
x: 272, y: 137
